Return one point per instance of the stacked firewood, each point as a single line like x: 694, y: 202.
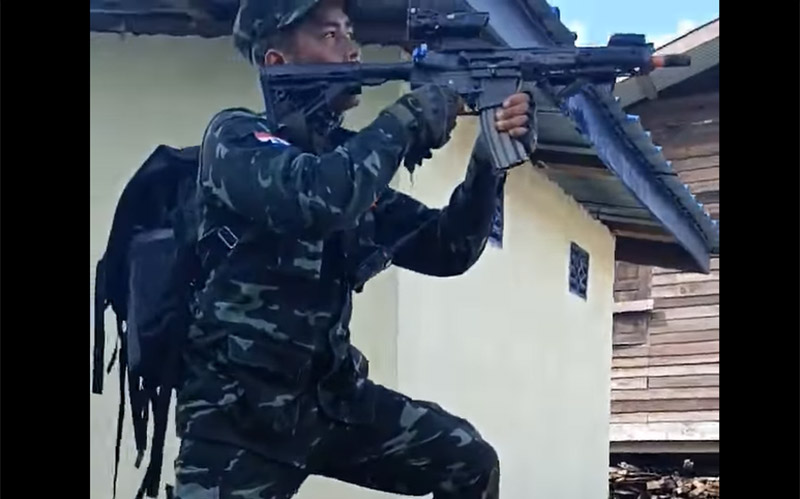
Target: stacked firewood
x: 629, y: 482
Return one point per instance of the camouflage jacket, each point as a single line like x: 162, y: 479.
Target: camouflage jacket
x: 271, y: 322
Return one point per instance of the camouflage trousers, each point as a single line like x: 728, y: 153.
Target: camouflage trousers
x: 412, y: 448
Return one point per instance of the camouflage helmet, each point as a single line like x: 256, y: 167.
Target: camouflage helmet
x: 259, y: 19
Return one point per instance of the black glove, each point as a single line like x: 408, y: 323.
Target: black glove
x: 434, y: 109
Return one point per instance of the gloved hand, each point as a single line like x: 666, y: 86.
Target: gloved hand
x: 434, y: 109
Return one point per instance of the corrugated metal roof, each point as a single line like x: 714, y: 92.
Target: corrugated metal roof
x: 618, y: 139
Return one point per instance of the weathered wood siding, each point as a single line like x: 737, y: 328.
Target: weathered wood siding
x: 665, y: 370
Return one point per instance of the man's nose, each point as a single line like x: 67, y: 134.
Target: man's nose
x: 353, y: 52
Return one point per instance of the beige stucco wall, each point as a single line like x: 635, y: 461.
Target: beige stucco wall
x: 507, y: 346
x: 147, y: 91
x: 543, y: 355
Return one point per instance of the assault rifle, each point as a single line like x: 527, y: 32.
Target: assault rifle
x: 453, y: 51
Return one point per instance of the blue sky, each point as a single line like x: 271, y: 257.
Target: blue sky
x: 661, y: 21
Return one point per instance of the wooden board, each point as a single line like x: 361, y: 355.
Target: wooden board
x: 684, y: 337
x: 685, y: 348
x: 678, y: 360
x: 625, y: 295
x: 667, y: 360
x: 623, y: 406
x: 666, y: 394
x: 702, y: 380
x: 701, y: 175
x: 638, y: 232
x: 691, y: 324
x: 703, y: 186
x: 631, y: 323
x: 682, y: 278
x: 665, y: 417
x: 626, y: 362
x: 630, y: 338
x: 676, y: 447
x: 662, y: 371
x: 657, y: 417
x: 664, y: 360
x: 625, y: 271
x: 629, y: 384
x: 630, y: 328
x: 669, y: 314
x: 686, y: 289
x: 713, y: 264
x: 627, y: 285
x: 680, y: 152
x: 696, y: 163
x: 685, y: 301
x: 687, y: 134
x: 631, y: 417
x: 627, y: 306
x: 707, y: 197
x: 634, y: 278
x: 641, y: 432
x: 638, y: 351
x: 662, y: 112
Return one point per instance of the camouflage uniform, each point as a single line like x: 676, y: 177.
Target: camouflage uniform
x: 274, y: 391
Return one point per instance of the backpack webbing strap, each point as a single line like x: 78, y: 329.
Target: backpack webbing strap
x: 214, y: 247
x: 160, y: 403
x: 100, y: 304
x: 123, y: 369
x: 152, y: 477
x: 139, y: 410
x: 113, y: 357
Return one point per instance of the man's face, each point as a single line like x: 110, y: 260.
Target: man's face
x: 326, y: 36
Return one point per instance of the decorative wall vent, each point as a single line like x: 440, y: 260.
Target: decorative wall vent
x: 578, y: 270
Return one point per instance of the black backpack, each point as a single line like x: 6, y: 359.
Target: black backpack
x: 146, y: 276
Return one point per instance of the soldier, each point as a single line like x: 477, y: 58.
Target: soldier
x: 273, y: 389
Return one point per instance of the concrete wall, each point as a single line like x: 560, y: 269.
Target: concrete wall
x: 543, y: 355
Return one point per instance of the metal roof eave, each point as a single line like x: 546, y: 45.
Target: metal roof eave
x: 163, y: 17
x: 618, y: 139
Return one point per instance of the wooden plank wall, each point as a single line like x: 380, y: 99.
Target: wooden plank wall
x: 665, y: 376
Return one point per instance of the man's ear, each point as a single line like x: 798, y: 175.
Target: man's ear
x: 273, y: 57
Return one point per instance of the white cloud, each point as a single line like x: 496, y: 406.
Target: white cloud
x: 579, y: 28
x: 683, y: 27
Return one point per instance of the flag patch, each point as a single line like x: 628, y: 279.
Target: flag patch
x: 270, y: 139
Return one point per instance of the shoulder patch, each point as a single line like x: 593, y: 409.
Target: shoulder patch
x: 268, y: 138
